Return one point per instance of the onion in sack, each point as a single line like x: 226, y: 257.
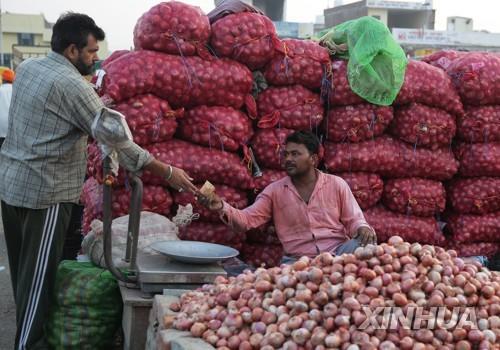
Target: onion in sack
x: 221, y: 127
x: 420, y: 197
x: 173, y: 27
x: 293, y: 107
x: 367, y: 188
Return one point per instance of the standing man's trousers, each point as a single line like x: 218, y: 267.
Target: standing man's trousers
x: 35, y: 239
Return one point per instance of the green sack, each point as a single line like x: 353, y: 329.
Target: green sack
x: 86, y: 310
x: 377, y: 64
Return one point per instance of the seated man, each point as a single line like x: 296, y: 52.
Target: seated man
x: 313, y: 212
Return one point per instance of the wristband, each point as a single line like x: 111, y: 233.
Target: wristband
x: 171, y: 171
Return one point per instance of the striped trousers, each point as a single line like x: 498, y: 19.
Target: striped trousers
x: 35, y: 240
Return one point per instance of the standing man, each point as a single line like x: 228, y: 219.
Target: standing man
x: 5, y: 96
x: 43, y: 162
x: 313, y: 212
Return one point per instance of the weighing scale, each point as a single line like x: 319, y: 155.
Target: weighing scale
x: 153, y: 273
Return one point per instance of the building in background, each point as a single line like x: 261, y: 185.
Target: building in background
x: 394, y: 14
x: 276, y: 11
x: 412, y: 25
x: 28, y: 35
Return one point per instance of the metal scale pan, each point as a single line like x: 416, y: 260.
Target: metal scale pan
x: 181, y: 265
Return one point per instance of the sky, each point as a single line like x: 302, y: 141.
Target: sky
x: 118, y: 17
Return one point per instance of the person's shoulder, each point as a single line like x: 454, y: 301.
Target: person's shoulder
x: 335, y: 180
x: 6, y: 87
x: 276, y: 185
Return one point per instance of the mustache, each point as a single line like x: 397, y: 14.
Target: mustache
x: 287, y: 164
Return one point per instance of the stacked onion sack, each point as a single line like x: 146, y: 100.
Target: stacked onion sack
x: 395, y: 158
x: 323, y: 303
x: 291, y: 102
x: 200, y: 123
x: 473, y: 215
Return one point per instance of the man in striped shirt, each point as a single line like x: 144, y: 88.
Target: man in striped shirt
x: 43, y: 162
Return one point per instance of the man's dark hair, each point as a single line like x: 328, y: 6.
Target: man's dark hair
x: 305, y: 138
x: 74, y: 28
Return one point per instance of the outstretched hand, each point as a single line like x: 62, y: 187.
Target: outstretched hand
x: 212, y: 202
x: 181, y: 181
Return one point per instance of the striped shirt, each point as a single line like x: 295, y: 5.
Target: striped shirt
x: 43, y: 158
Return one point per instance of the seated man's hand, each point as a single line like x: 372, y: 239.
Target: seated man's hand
x: 366, y: 235
x: 212, y: 202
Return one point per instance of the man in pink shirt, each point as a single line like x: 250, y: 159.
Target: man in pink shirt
x: 313, y: 212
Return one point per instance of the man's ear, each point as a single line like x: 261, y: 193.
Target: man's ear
x: 71, y: 52
x: 315, y: 159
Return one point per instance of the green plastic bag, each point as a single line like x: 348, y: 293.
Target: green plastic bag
x: 87, y: 308
x: 377, y: 64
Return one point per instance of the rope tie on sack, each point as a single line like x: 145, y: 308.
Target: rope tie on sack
x: 247, y: 158
x: 272, y: 118
x: 217, y: 132
x: 188, y: 69
x: 185, y: 218
x: 326, y: 91
x: 238, y: 48
x: 156, y: 126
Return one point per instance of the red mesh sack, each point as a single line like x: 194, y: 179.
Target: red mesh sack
x: 218, y: 167
x: 292, y: 107
x: 150, y: 119
x: 155, y: 199
x: 264, y: 255
x: 411, y: 228
x: 474, y: 228
x: 94, y: 162
x: 429, y: 85
x: 114, y: 56
x: 86, y: 221
x: 474, y: 249
x: 423, y: 126
x: 220, y: 127
x: 414, y: 196
x: 268, y: 176
x: 475, y: 196
x: 366, y: 188
x: 246, y: 37
x: 173, y: 27
x: 479, y: 159
x: 266, y: 234
x: 235, y: 197
x: 357, y: 123
x: 479, y: 124
x: 182, y: 81
x: 203, y: 164
x: 268, y: 146
x: 443, y: 58
x: 212, y: 233
x: 297, y: 61
x: 390, y: 158
x: 476, y: 77
x: 339, y: 92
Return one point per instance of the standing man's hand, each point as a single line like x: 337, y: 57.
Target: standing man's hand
x: 213, y: 202
x: 181, y: 181
x: 176, y: 177
x: 366, y: 235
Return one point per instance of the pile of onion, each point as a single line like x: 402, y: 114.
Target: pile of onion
x: 317, y: 303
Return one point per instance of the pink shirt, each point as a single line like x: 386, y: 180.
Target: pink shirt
x: 329, y: 219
